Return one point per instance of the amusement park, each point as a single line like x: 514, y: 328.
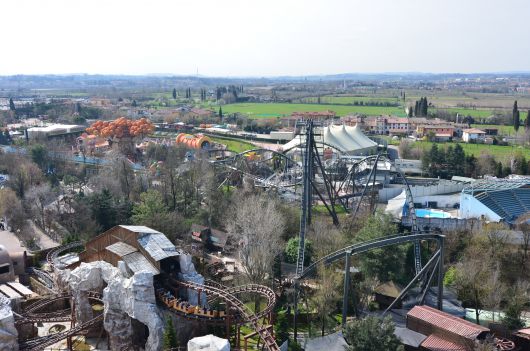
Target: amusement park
x: 367, y: 240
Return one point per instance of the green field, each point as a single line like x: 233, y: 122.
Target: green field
x: 501, y: 153
x: 503, y: 130
x: 481, y: 113
x: 272, y: 110
x: 234, y: 145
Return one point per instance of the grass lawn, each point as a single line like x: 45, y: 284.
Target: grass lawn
x: 234, y: 145
x: 272, y: 110
x: 501, y: 153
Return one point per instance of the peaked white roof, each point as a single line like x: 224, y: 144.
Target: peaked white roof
x: 343, y: 138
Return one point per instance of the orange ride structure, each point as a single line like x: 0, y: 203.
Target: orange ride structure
x: 191, y: 141
x: 122, y: 128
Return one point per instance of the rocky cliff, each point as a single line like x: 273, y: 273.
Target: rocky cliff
x: 8, y: 332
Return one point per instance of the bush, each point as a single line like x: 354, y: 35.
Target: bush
x: 291, y: 251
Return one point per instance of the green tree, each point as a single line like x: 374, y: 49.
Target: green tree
x: 527, y: 122
x: 170, y: 335
x: 11, y: 105
x: 103, y: 211
x: 371, y: 334
x: 174, y: 93
x: 387, y: 263
x: 281, y: 328
x: 220, y: 113
x: 516, y: 117
x: 39, y: 155
x: 151, y: 210
x: 291, y: 251
x: 134, y: 103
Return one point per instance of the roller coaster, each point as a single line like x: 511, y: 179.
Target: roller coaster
x: 234, y: 314
x: 32, y: 315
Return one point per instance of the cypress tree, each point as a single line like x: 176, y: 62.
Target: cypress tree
x: 174, y: 93
x: 220, y: 113
x: 527, y: 122
x: 11, y: 104
x: 417, y: 108
x: 425, y: 107
x: 516, y: 121
x: 170, y: 335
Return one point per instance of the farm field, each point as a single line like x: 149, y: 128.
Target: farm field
x: 346, y: 100
x: 501, y: 153
x: 272, y: 110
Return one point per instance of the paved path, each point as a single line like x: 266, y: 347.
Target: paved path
x: 43, y: 240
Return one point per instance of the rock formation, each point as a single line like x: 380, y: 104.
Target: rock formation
x: 208, y: 342
x: 189, y: 274
x: 123, y: 297
x: 8, y: 332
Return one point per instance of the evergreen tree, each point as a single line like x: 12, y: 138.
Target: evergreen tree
x: 11, y: 104
x: 371, y: 334
x: 425, y: 107
x: 318, y: 100
x: 134, y: 104
x: 516, y: 121
x: 527, y: 122
x: 410, y: 112
x: 174, y: 93
x: 515, y: 116
x: 417, y: 109
x: 170, y: 335
x: 220, y: 113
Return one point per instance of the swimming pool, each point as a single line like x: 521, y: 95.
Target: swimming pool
x: 427, y: 213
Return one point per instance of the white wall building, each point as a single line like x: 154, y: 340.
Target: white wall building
x: 473, y: 134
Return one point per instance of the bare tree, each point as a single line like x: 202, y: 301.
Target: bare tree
x: 497, y: 240
x: 471, y: 277
x: 495, y: 292
x: 256, y: 226
x: 524, y: 227
x: 325, y: 237
x: 325, y: 297
x: 38, y: 198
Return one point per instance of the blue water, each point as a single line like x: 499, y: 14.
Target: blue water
x: 422, y: 212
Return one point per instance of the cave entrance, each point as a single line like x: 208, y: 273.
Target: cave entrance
x: 140, y: 334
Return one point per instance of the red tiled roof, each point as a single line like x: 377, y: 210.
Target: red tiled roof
x: 447, y: 322
x: 436, y: 343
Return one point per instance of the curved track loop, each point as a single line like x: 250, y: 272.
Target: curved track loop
x: 41, y: 343
x: 248, y: 288
x: 365, y: 246
x: 247, y: 315
x: 52, y: 255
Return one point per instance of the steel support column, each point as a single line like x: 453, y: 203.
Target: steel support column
x: 441, y: 274
x: 346, y: 287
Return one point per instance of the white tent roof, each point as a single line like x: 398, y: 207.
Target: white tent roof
x: 343, y: 138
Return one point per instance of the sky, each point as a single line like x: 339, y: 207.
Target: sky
x: 263, y: 38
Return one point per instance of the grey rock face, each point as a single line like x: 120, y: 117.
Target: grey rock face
x: 8, y: 332
x: 124, y: 298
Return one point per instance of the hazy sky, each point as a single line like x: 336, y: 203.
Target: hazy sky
x: 263, y: 38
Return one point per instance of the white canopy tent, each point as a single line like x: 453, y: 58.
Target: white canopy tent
x: 346, y: 139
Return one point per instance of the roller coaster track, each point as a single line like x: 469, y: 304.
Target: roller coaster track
x: 365, y: 246
x: 246, y: 314
x: 250, y: 289
x: 41, y: 343
x: 43, y: 276
x: 52, y: 255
